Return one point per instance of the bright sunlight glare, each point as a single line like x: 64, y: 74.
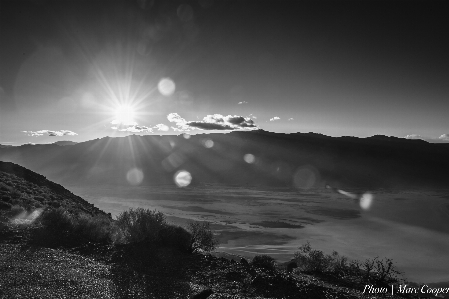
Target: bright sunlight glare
x: 124, y: 114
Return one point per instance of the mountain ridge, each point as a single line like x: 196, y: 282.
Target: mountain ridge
x: 272, y: 159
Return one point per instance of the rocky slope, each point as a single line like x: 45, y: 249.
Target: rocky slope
x: 22, y: 187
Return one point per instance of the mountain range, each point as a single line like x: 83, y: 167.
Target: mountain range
x: 244, y: 158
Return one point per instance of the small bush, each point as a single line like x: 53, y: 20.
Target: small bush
x: 55, y: 204
x: 58, y: 221
x: 39, y: 198
x: 98, y: 229
x: 334, y: 264
x: 382, y: 272
x: 264, y: 262
x: 175, y: 237
x: 16, y: 194
x: 375, y: 271
x: 56, y: 228
x: 202, y: 237
x: 59, y: 227
x: 141, y: 224
x: 5, y: 205
x: 312, y: 260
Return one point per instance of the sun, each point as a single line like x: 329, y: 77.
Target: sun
x: 124, y: 114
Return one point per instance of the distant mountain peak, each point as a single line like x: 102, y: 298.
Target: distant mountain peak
x: 64, y: 143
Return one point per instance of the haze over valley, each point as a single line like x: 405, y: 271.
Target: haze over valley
x: 268, y: 193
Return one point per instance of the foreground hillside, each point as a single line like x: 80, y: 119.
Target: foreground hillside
x: 84, y: 264
x: 242, y: 158
x: 21, y: 186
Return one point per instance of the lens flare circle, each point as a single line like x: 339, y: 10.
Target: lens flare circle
x: 166, y: 87
x: 208, y: 143
x: 182, y: 178
x: 134, y: 176
x: 249, y: 158
x: 306, y: 177
x: 366, y: 201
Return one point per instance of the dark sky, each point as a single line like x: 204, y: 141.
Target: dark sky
x: 355, y: 68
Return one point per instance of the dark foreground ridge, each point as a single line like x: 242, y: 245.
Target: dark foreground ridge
x: 32, y: 190
x: 54, y: 244
x: 256, y: 158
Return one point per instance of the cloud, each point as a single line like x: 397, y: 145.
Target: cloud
x: 213, y: 122
x: 444, y: 137
x: 161, y: 127
x: 413, y: 136
x: 275, y: 118
x: 50, y: 133
x: 291, y: 118
x: 242, y: 103
x: 180, y: 122
x: 133, y: 128
x: 139, y: 129
x: 130, y: 127
x: 209, y: 126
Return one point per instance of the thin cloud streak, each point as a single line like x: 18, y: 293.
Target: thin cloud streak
x: 50, y: 133
x: 413, y: 136
x: 444, y: 138
x: 131, y: 126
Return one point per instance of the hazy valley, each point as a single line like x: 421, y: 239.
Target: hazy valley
x: 270, y: 193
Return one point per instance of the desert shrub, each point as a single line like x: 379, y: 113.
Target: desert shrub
x: 55, y: 204
x: 202, y: 237
x: 340, y: 265
x: 312, y: 260
x: 264, y: 262
x: 97, y: 229
x: 380, y: 271
x: 37, y: 204
x: 39, y: 198
x: 16, y: 194
x: 141, y: 224
x: 58, y: 221
x: 375, y: 271
x: 175, y: 237
x: 60, y: 227
x: 5, y: 205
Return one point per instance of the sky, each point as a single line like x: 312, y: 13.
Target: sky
x: 80, y: 70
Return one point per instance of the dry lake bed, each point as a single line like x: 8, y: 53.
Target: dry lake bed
x: 409, y: 226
